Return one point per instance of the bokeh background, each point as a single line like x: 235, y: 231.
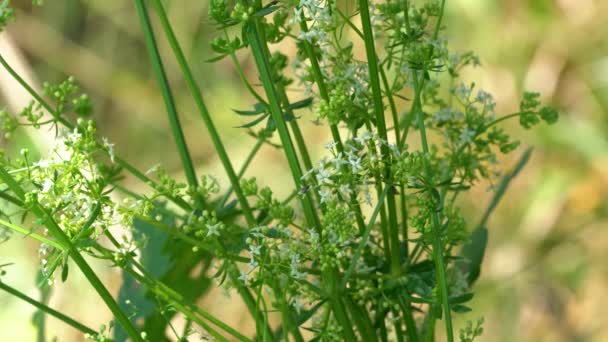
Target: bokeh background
x: 545, y: 276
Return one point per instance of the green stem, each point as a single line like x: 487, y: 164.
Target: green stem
x: 161, y: 76
x: 196, y: 93
x: 203, y: 111
x: 243, y: 169
x: 277, y: 114
x: 312, y: 219
x: 438, y: 258
x: 29, y: 233
x: 320, y: 81
x: 66, y: 319
x: 372, y: 63
x: 57, y: 117
x: 64, y: 240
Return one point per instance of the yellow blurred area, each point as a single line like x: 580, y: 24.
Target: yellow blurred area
x: 545, y: 276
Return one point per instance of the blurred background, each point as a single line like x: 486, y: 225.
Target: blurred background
x: 545, y: 276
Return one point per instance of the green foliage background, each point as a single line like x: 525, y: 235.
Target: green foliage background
x: 544, y: 277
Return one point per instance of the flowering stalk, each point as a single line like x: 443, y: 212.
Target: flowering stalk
x: 320, y: 263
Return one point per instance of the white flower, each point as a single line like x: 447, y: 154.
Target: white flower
x: 323, y: 176
x: 253, y: 264
x: 213, y: 229
x: 255, y: 250
x: 467, y: 136
x: 244, y: 277
x: 297, y: 14
x: 74, y: 136
x: 355, y: 164
x: 325, y: 195
x: 331, y: 145
x: 297, y: 305
x: 363, y: 138
x: 109, y: 148
x: 47, y: 185
x: 345, y: 190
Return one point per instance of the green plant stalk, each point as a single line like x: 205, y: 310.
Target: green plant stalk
x: 284, y: 100
x: 195, y: 90
x: 286, y: 316
x: 168, y: 294
x: 372, y: 62
x: 275, y: 108
x: 64, y: 240
x: 28, y: 233
x: 438, y: 258
x: 161, y: 76
x: 405, y: 307
x: 176, y: 301
x: 241, y: 73
x: 42, y: 307
x: 121, y: 162
x: 310, y: 213
x: 335, y: 133
x: 203, y: 111
x: 243, y: 169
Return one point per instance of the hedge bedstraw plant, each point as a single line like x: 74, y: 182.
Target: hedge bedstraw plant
x: 370, y: 245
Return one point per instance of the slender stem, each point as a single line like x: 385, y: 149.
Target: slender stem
x: 64, y: 240
x: 196, y: 93
x: 372, y: 62
x: 161, y: 76
x: 288, y: 146
x: 438, y: 258
x: 58, y: 118
x: 320, y: 81
x: 203, y: 111
x: 29, y: 233
x: 243, y: 169
x: 312, y: 219
x: 42, y: 307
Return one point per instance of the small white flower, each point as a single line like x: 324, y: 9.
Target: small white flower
x: 355, y: 164
x: 323, y: 176
x: 74, y: 136
x: 325, y: 195
x: 345, y: 190
x: 298, y: 14
x: 331, y: 145
x: 297, y: 305
x: 109, y: 148
x: 213, y: 229
x: 244, y: 277
x: 467, y: 136
x: 47, y: 185
x: 255, y: 250
x: 253, y: 264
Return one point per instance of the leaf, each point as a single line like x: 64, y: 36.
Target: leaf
x: 154, y: 261
x: 266, y: 10
x: 64, y: 270
x: 300, y: 104
x: 461, y: 308
x: 504, y: 184
x: 216, y: 58
x: 463, y: 298
x: 258, y: 108
x: 473, y: 253
x: 254, y: 122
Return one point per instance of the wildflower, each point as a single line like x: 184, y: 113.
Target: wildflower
x: 325, y: 195
x: 213, y: 229
x: 244, y: 277
x: 109, y: 148
x: 255, y: 250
